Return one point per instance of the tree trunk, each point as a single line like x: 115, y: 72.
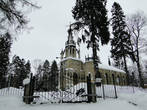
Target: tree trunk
x: 139, y: 70
x: 95, y: 62
x: 126, y: 70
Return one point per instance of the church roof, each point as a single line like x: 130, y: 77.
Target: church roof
x: 101, y: 66
x: 107, y: 67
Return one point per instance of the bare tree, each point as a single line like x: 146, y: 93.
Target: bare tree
x: 35, y: 64
x: 13, y: 14
x: 136, y: 26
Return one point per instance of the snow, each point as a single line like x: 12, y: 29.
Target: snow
x: 127, y: 100
x: 101, y: 66
x: 15, y: 103
x: 107, y: 67
x: 26, y: 81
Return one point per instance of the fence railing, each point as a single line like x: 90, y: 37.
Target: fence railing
x: 47, y: 90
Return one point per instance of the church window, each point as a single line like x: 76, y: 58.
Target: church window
x: 70, y: 51
x: 118, y: 79
x: 75, y: 78
x: 73, y: 51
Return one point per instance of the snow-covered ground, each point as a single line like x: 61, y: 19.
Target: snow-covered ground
x: 127, y: 100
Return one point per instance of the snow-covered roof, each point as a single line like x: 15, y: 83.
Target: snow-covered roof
x: 101, y: 66
x: 107, y: 67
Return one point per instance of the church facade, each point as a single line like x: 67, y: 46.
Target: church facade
x: 74, y: 70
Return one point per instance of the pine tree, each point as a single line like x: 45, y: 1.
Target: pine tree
x: 15, y: 63
x: 5, y: 45
x: 54, y: 76
x: 23, y: 73
x: 121, y: 45
x: 21, y: 70
x: 91, y: 18
x: 46, y: 67
x: 46, y: 71
x: 28, y: 68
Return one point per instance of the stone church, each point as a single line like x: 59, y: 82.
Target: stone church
x: 74, y: 70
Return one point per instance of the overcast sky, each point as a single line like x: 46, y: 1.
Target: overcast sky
x: 50, y: 24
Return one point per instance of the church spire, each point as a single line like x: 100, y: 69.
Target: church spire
x: 70, y: 45
x: 70, y: 36
x: 70, y: 41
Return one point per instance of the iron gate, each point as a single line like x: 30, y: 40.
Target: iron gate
x: 64, y: 90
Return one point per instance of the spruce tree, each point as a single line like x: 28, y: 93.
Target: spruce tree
x: 21, y: 70
x: 15, y: 63
x: 54, y: 76
x: 91, y: 18
x: 46, y: 67
x: 27, y: 68
x: 5, y: 45
x: 121, y: 45
x: 46, y: 71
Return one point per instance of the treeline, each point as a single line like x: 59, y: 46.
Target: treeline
x: 47, y: 77
x: 19, y: 69
x: 127, y: 40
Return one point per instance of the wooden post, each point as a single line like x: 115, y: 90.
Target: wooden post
x: 31, y: 88
x: 29, y: 91
x: 26, y: 94
x: 91, y: 90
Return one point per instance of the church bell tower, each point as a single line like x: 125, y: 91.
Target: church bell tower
x: 70, y: 46
x: 70, y: 50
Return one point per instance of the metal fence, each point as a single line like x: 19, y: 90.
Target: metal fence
x: 63, y: 89
x: 8, y: 91
x: 8, y: 87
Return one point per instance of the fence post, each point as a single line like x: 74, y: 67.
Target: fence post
x: 26, y: 93
x: 29, y: 90
x: 91, y: 90
x: 103, y: 89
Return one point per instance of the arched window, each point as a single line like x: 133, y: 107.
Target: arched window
x: 118, y: 80
x: 75, y: 78
x: 124, y: 80
x: 70, y: 50
x: 73, y: 51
